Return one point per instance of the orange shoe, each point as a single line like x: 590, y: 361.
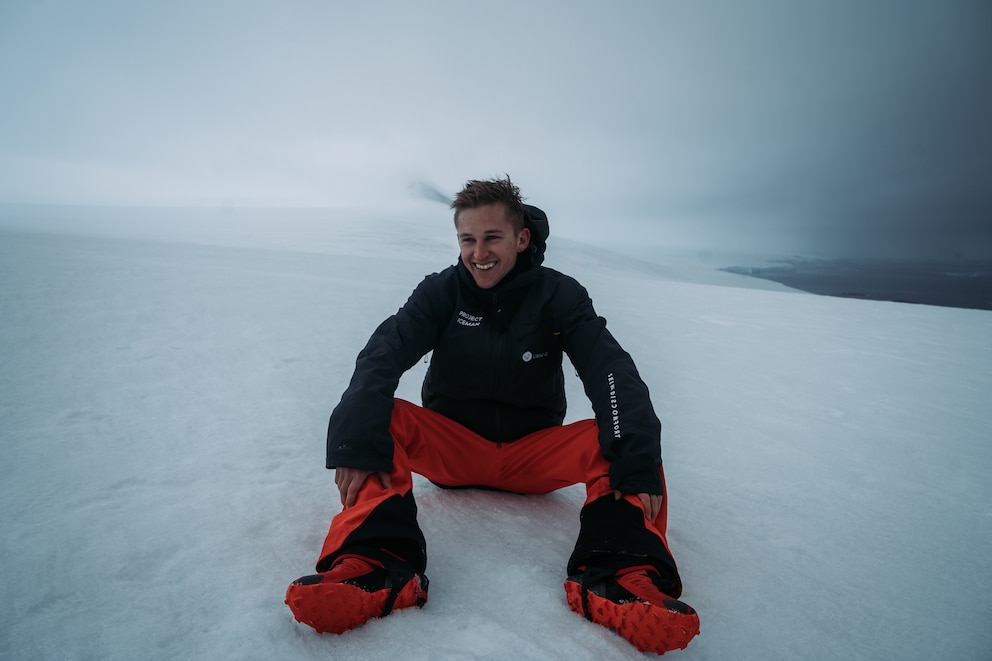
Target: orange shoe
x: 353, y: 591
x: 631, y: 603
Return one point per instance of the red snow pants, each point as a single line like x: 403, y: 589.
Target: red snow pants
x: 450, y: 455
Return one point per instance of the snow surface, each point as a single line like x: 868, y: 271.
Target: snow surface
x: 165, y: 382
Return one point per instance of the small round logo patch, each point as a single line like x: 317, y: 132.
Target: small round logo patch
x: 527, y: 356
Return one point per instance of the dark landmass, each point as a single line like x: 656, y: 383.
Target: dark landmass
x: 950, y: 283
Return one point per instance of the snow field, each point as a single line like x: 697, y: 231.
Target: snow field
x: 164, y: 392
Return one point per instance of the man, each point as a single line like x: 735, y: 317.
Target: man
x: 498, y: 324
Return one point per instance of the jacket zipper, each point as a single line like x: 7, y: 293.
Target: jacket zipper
x: 499, y: 351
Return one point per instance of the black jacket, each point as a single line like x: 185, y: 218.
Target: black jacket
x: 496, y: 368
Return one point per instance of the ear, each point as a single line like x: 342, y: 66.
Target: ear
x: 523, y: 239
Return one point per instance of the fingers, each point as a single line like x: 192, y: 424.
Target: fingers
x: 353, y: 486
x: 338, y: 480
x: 351, y: 480
x: 650, y: 505
x: 650, y: 502
x: 657, y: 502
x: 656, y: 506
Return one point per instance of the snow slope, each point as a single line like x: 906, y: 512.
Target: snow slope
x: 165, y: 382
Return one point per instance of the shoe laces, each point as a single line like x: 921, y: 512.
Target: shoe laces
x: 641, y: 581
x: 350, y: 566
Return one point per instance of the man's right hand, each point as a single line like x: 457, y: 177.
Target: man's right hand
x: 350, y: 481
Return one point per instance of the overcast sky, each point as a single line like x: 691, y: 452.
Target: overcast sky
x: 833, y: 127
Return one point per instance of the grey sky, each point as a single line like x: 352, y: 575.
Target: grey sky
x: 849, y: 126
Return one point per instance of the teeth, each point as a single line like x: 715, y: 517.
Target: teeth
x: 485, y: 267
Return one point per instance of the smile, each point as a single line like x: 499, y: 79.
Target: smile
x: 484, y: 267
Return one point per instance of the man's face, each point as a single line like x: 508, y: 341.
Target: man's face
x: 488, y: 243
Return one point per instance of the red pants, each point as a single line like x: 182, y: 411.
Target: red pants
x: 448, y: 454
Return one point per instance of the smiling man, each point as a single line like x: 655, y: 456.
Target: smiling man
x: 498, y: 324
x: 490, y: 242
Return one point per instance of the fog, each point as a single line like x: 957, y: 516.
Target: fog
x: 848, y: 128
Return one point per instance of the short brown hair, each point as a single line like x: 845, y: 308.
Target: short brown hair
x: 492, y: 191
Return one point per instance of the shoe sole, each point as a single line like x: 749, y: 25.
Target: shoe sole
x: 647, y: 627
x: 339, y: 607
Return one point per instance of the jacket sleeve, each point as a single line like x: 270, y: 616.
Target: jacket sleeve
x: 358, y: 431
x: 629, y: 429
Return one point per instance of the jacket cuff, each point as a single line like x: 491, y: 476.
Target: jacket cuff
x: 373, y: 456
x: 636, y: 474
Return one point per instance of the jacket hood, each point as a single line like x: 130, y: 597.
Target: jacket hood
x: 537, y: 222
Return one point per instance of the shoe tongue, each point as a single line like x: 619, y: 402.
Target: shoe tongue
x: 357, y: 560
x: 647, y: 569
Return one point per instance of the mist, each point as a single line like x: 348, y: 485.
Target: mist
x: 841, y: 129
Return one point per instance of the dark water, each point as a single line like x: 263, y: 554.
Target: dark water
x: 958, y: 283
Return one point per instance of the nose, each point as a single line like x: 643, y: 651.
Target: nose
x: 480, y: 251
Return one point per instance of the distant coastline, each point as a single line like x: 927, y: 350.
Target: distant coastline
x: 950, y: 283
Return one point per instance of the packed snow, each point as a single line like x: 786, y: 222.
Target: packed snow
x: 166, y: 378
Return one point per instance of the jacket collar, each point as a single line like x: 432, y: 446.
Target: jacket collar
x: 520, y: 278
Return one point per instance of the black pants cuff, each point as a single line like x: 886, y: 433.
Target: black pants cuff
x: 612, y: 534
x: 391, y: 526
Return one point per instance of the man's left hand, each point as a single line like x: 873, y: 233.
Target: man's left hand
x: 652, y: 503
